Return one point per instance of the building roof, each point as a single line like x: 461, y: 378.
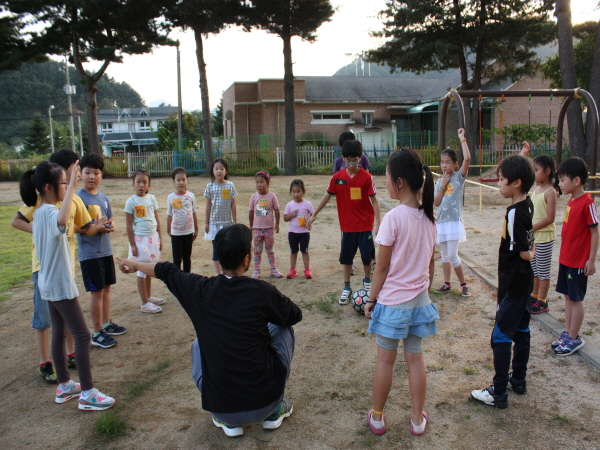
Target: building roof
x: 135, y: 114
x: 129, y: 136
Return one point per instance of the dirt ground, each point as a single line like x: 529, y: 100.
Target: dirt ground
x: 333, y: 366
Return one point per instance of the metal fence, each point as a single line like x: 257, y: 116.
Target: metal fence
x: 309, y: 160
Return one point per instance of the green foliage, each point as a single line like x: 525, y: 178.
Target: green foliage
x: 111, y: 424
x: 37, y: 141
x: 8, y: 152
x: 583, y: 52
x: 217, y: 120
x: 167, y: 133
x: 15, y: 253
x: 516, y: 133
x: 424, y: 35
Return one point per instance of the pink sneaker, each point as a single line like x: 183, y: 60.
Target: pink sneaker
x: 276, y: 273
x: 256, y: 274
x: 292, y: 273
x: 307, y: 273
x: 156, y: 300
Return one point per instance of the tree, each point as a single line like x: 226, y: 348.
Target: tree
x: 167, y: 133
x: 15, y: 49
x: 37, y: 141
x: 89, y: 31
x: 217, y: 120
x: 485, y: 39
x: 204, y: 17
x: 288, y: 18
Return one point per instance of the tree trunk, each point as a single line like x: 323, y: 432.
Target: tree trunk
x: 206, y: 116
x: 594, y: 87
x: 569, y: 79
x: 290, y: 115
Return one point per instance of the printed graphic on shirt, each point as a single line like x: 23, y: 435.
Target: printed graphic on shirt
x: 225, y: 194
x: 140, y: 210
x: 342, y: 182
x: 355, y: 193
x: 449, y: 189
x: 262, y: 207
x: 177, y: 203
x: 95, y: 212
x: 301, y: 221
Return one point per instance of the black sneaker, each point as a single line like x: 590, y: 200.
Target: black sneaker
x: 103, y: 340
x: 47, y: 373
x: 488, y: 397
x: 539, y: 307
x: 284, y: 410
x: 114, y: 330
x: 71, y: 362
x: 518, y: 387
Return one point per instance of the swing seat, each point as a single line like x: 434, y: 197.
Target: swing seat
x: 489, y: 180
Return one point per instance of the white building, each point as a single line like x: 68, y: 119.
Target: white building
x: 131, y: 129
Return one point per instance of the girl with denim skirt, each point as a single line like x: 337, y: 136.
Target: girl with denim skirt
x: 400, y: 307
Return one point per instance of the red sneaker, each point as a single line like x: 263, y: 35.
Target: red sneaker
x: 307, y: 273
x: 292, y: 273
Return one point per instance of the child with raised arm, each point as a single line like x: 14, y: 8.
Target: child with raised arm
x: 578, y: 250
x: 358, y: 208
x: 263, y: 216
x: 297, y: 212
x: 143, y: 232
x: 56, y: 283
x: 515, y: 279
x: 220, y: 209
x: 449, y: 201
x: 96, y: 255
x: 399, y: 305
x: 182, y: 221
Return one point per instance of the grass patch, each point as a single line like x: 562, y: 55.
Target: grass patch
x: 434, y: 367
x: 471, y: 371
x: 562, y: 418
x: 111, y: 425
x: 361, y: 431
x: 15, y: 253
x: 588, y: 333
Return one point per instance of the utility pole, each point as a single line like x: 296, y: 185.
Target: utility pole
x: 51, y: 134
x: 69, y: 90
x: 179, y: 107
x: 80, y: 135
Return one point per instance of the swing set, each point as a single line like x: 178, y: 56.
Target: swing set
x: 568, y: 94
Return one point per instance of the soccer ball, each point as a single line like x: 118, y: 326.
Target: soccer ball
x: 359, y: 300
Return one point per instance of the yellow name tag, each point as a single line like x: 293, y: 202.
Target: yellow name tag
x: 95, y: 212
x: 225, y: 194
x: 567, y: 211
x: 301, y: 221
x: 177, y: 203
x: 355, y: 193
x: 140, y: 210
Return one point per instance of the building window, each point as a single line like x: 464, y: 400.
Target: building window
x: 331, y: 117
x: 145, y: 125
x: 107, y: 128
x: 367, y: 119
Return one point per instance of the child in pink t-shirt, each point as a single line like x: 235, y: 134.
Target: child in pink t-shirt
x: 297, y: 212
x: 399, y: 305
x: 263, y: 207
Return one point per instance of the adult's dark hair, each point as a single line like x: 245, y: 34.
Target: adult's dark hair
x: 407, y: 164
x: 518, y: 167
x: 297, y: 182
x: 34, y: 180
x: 346, y: 136
x: 233, y: 243
x: 547, y: 162
x: 451, y: 153
x: 574, y: 167
x: 64, y: 158
x: 177, y: 171
x: 222, y: 161
x: 352, y: 149
x: 92, y: 161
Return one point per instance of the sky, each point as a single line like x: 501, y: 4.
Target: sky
x: 234, y: 55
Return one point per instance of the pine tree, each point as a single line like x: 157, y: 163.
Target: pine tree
x: 37, y: 141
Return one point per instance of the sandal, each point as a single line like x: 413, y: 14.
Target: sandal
x: 374, y: 429
x: 419, y: 430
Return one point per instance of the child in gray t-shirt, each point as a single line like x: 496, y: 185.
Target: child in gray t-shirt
x: 448, y: 199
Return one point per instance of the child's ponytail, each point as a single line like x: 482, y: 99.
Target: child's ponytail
x: 428, y: 194
x: 27, y: 188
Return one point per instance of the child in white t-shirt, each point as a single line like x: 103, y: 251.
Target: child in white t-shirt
x: 182, y: 221
x: 297, y: 212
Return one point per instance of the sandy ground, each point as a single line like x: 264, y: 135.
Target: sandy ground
x: 332, y: 372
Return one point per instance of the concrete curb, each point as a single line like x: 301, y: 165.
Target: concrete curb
x: 589, y: 352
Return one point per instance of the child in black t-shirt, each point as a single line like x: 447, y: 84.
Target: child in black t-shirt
x: 515, y: 280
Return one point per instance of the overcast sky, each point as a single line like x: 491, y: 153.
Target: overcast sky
x: 237, y: 56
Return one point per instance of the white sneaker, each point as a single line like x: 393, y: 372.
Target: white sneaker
x: 366, y: 284
x: 151, y: 308
x: 345, y: 297
x: 63, y: 396
x: 229, y: 431
x: 95, y: 402
x: 156, y: 300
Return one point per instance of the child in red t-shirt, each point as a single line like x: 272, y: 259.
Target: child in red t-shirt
x: 358, y: 208
x: 578, y: 250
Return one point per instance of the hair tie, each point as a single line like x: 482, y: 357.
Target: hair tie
x: 264, y: 173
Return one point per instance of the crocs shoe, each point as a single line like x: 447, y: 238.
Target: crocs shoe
x: 307, y: 273
x: 292, y: 273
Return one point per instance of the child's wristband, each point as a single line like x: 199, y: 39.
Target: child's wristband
x: 463, y: 140
x: 371, y: 301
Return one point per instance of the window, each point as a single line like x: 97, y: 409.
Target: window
x: 367, y: 118
x: 145, y: 125
x: 107, y: 128
x: 331, y: 117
